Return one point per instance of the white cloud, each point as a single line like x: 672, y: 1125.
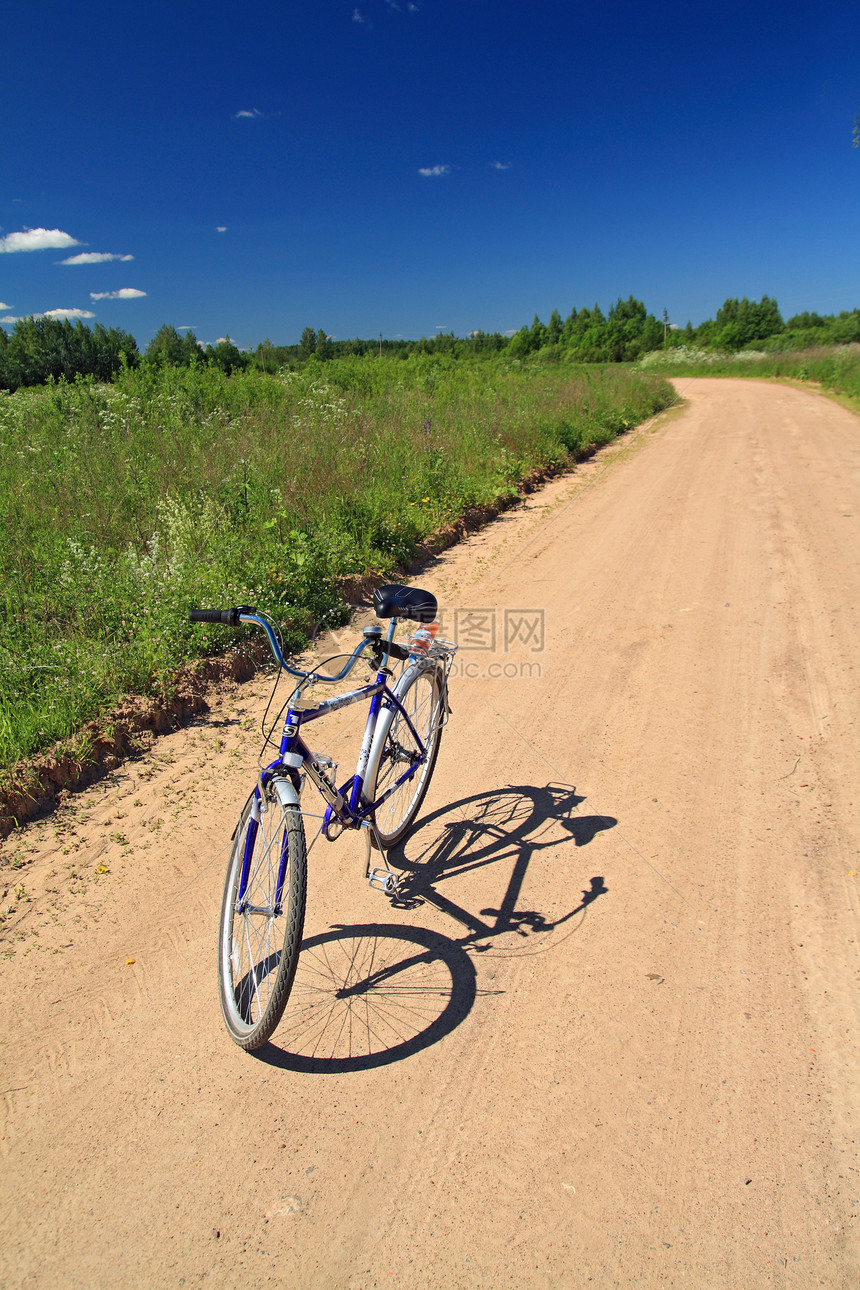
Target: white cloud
x: 11, y: 320
x: 248, y: 114
x: 220, y: 228
x: 36, y: 239
x: 187, y: 327
x: 95, y: 257
x: 2, y: 306
x: 434, y: 170
x: 500, y: 165
x: 124, y: 293
x: 66, y: 313
x: 358, y: 16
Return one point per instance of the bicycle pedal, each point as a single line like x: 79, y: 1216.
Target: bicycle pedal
x: 383, y: 880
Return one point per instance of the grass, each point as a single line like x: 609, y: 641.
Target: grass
x: 123, y: 505
x: 834, y: 367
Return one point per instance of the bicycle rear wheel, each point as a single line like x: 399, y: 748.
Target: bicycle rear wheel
x: 423, y: 699
x: 262, y: 916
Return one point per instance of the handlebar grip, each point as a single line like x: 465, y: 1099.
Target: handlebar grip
x: 229, y: 617
x: 212, y: 616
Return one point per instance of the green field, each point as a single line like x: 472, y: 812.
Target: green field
x: 125, y: 504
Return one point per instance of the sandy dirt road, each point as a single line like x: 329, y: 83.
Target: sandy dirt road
x: 613, y: 1042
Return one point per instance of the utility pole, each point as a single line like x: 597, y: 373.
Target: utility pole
x: 380, y: 344
x: 665, y: 327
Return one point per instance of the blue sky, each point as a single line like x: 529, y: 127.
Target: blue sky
x: 407, y: 167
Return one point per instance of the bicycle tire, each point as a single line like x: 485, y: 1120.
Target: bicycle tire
x: 260, y: 935
x: 423, y: 699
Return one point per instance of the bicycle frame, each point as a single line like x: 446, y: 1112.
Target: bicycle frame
x: 295, y: 754
x: 344, y: 804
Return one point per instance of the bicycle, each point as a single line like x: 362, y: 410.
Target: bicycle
x: 263, y: 908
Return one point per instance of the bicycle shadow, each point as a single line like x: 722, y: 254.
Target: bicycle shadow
x: 369, y: 995
x: 513, y: 823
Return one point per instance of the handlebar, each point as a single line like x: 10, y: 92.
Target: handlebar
x: 246, y: 614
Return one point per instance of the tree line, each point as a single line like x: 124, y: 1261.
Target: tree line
x: 41, y: 350
x: 586, y: 335
x: 750, y: 324
x: 44, y: 349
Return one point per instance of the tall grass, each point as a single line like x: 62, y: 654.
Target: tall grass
x: 836, y: 367
x: 123, y: 505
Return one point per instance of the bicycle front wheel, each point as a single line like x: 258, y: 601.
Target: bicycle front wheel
x: 262, y: 917
x: 423, y: 700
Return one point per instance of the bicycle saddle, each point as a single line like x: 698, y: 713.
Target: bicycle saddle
x: 396, y: 601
